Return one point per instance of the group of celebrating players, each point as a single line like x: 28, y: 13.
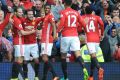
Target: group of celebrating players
x: 25, y: 44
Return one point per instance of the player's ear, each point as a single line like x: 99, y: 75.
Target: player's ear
x: 93, y: 12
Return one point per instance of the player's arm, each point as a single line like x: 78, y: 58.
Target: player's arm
x: 52, y: 22
x: 107, y: 28
x: 61, y: 23
x: 82, y: 23
x: 8, y: 17
x: 18, y: 25
x: 27, y: 32
x: 101, y: 25
x: 39, y: 20
x: 54, y: 30
x: 22, y: 32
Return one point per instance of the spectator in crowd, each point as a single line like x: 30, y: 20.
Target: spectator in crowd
x: 3, y: 24
x: 115, y: 12
x: 105, y: 8
x: 16, y: 4
x: 10, y: 35
x: 118, y: 5
x: 112, y: 19
x: 113, y: 38
x: 27, y: 4
x: 37, y: 8
x: 69, y: 41
x: 50, y: 2
x: 3, y: 5
x: 56, y: 8
x: 105, y: 46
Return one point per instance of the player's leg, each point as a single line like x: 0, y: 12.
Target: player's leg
x: 65, y: 47
x: 46, y: 52
x: 81, y: 62
x: 64, y: 66
x: 25, y: 69
x: 94, y: 62
x: 35, y: 55
x: 45, y: 70
x: 26, y: 60
x: 75, y: 46
x: 17, y: 64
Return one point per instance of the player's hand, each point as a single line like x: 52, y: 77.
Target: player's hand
x: 55, y: 37
x: 101, y: 38
x: 11, y: 20
x: 33, y: 31
x: 10, y: 9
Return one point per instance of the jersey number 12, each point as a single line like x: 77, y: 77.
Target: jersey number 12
x: 70, y: 17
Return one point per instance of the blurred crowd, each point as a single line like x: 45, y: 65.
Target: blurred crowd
x: 108, y: 10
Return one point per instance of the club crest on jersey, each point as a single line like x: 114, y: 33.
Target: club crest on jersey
x: 33, y: 23
x: 25, y: 23
x: 29, y: 28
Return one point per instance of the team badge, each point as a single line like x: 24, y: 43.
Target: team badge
x: 33, y: 23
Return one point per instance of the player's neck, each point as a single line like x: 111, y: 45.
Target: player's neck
x: 67, y: 7
x: 1, y: 21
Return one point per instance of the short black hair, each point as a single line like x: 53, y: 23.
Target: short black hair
x: 113, y: 27
x: 88, y: 10
x: 115, y: 8
x: 68, y: 2
x: 28, y: 11
x: 47, y: 5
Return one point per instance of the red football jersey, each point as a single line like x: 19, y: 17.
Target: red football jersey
x: 4, y: 23
x: 70, y: 19
x: 17, y: 36
x: 47, y: 29
x: 93, y: 24
x: 28, y: 26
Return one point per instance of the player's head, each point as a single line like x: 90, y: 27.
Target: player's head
x: 88, y: 10
x: 1, y: 15
x: 47, y: 8
x: 30, y: 15
x: 19, y: 12
x: 67, y: 2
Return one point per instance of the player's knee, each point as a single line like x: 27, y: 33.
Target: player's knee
x: 77, y: 53
x: 45, y: 57
x: 93, y: 55
x: 63, y: 60
x: 25, y: 62
x: 63, y: 56
x: 9, y: 56
x: 19, y: 60
x: 36, y: 61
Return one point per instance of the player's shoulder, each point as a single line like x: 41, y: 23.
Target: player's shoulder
x: 83, y: 16
x: 50, y: 15
x: 16, y: 19
x: 98, y: 17
x: 74, y: 11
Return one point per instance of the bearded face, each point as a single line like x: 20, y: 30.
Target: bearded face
x: 1, y: 15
